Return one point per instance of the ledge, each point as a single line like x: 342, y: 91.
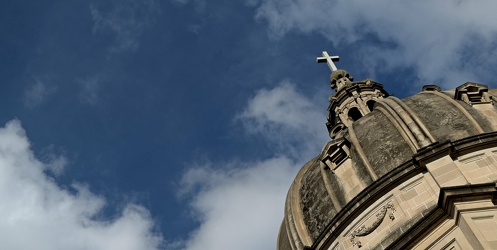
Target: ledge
x: 401, y: 173
x: 445, y: 209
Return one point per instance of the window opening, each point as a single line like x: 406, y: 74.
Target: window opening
x: 370, y: 104
x: 354, y: 114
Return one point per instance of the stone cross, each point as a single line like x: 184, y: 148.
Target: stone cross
x: 329, y: 60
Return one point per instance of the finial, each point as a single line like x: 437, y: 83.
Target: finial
x: 336, y: 74
x: 329, y: 60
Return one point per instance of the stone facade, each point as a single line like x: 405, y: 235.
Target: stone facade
x: 417, y: 173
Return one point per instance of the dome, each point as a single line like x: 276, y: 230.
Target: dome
x: 390, y: 165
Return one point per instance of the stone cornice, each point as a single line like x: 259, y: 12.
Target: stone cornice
x: 366, y: 85
x: 445, y: 209
x: 403, y: 172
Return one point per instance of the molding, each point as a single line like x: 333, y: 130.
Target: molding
x: 399, y: 125
x: 415, y: 117
x: 360, y: 151
x: 380, y: 216
x: 445, y: 210
x: 299, y: 234
x: 459, y: 107
x: 363, y: 200
x: 400, y: 174
x: 405, y: 117
x: 334, y: 199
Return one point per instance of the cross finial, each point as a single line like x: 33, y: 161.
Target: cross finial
x: 329, y: 60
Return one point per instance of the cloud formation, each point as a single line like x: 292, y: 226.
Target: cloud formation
x: 54, y: 159
x: 38, y: 214
x: 37, y: 93
x: 443, y: 41
x: 287, y: 118
x: 198, y: 5
x: 240, y: 204
x: 126, y: 20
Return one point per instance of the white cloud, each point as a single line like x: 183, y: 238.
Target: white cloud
x: 287, y: 118
x: 37, y: 93
x: 38, y: 214
x: 126, y: 20
x: 446, y: 42
x: 54, y: 160
x: 240, y: 204
x: 239, y: 207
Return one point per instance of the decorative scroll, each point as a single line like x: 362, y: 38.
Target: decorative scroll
x: 363, y: 230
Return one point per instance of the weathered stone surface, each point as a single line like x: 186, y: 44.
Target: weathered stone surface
x: 337, y: 187
x: 360, y: 168
x: 443, y: 120
x: 283, y: 241
x: 382, y: 143
x: 482, y: 120
x: 316, y: 204
x: 459, y: 149
x: 397, y: 233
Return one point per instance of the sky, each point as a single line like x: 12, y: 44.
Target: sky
x: 180, y: 124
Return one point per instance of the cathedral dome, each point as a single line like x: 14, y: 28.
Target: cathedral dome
x: 382, y: 149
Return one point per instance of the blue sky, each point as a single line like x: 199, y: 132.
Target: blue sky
x: 180, y: 124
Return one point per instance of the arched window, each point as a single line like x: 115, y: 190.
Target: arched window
x: 354, y: 114
x: 370, y: 104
